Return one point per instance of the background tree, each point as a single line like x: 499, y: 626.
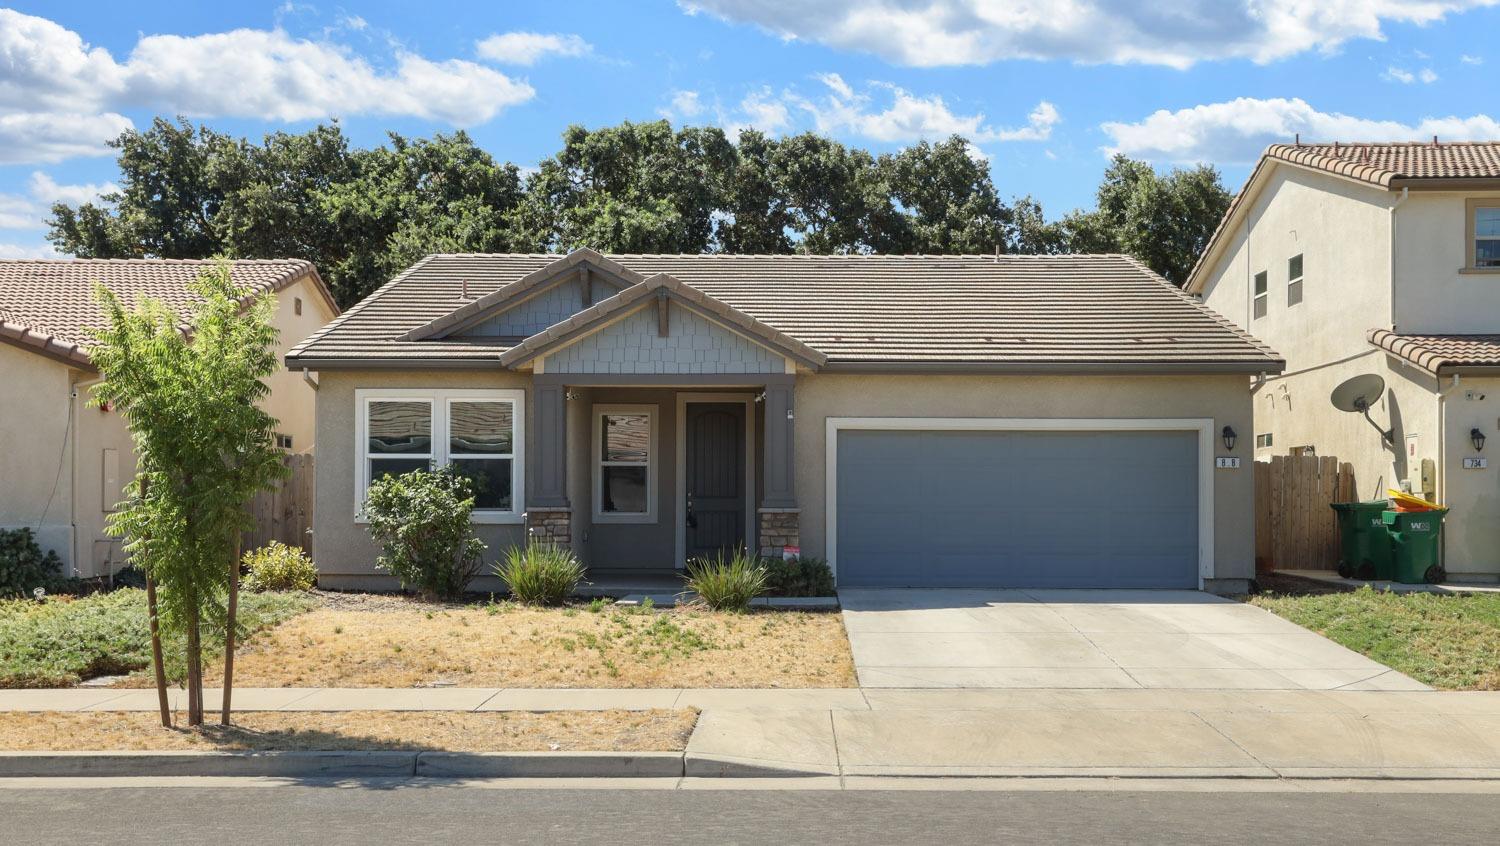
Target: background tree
x: 204, y: 447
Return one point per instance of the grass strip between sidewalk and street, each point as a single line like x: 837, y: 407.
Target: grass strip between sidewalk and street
x: 1451, y: 642
x: 272, y: 731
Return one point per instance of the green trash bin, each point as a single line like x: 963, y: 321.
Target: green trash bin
x: 1365, y: 551
x: 1414, y: 545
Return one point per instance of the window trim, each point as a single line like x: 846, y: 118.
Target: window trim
x: 1471, y: 238
x: 1295, y: 280
x: 440, y: 400
x: 652, y: 464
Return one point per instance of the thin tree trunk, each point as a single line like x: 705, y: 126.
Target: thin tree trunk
x: 156, y: 663
x: 234, y: 602
x: 195, y: 667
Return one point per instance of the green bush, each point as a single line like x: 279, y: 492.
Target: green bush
x: 421, y: 520
x: 798, y: 577
x: 540, y: 573
x: 277, y: 566
x: 23, y: 567
x: 64, y: 640
x: 727, y: 585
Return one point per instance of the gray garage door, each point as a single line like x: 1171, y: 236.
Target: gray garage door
x: 1017, y: 509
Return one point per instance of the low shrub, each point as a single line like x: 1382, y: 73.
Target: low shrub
x: 540, y: 573
x: 23, y: 566
x: 727, y: 585
x: 421, y: 520
x: 798, y: 577
x: 277, y: 566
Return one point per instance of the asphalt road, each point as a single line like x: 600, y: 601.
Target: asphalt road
x: 430, y: 813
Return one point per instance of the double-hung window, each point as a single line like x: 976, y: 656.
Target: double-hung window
x: 1260, y: 294
x: 1294, y: 280
x: 625, y: 463
x: 1484, y: 234
x: 478, y: 432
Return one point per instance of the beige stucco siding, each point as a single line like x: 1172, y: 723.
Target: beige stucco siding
x: 1432, y: 296
x: 1472, y: 537
x: 36, y: 447
x: 291, y: 400
x: 1342, y: 231
x: 1225, y: 399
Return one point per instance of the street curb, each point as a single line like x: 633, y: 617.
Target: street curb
x: 697, y: 765
x: 549, y: 765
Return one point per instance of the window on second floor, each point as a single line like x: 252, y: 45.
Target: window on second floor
x: 1260, y: 294
x: 1484, y: 234
x: 1294, y: 280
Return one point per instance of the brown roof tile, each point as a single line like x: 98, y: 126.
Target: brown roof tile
x: 1439, y: 354
x: 48, y: 304
x: 971, y: 311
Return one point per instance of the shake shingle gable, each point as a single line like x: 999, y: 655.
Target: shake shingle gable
x: 970, y: 312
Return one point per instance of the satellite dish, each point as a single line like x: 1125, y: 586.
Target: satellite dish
x: 1357, y: 395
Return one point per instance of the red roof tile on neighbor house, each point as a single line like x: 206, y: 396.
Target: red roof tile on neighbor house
x: 1440, y: 354
x: 48, y: 304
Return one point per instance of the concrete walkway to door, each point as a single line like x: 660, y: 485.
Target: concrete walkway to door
x: 960, y: 638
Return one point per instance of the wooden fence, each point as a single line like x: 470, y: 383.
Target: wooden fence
x: 285, y: 513
x: 1294, y: 527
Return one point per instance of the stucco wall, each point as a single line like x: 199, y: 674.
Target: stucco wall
x: 1342, y: 231
x: 1225, y: 399
x: 36, y: 448
x: 1431, y: 248
x: 292, y: 400
x: 1472, y: 535
x: 694, y: 345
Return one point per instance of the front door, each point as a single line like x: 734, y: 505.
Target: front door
x: 715, y: 478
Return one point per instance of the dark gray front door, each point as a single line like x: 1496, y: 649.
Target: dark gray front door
x: 715, y: 478
x: 1017, y: 509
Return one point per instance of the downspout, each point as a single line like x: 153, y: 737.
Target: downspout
x: 76, y: 392
x: 1405, y: 192
x: 1442, y: 461
x: 307, y: 377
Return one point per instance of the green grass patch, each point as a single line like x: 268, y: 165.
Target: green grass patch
x: 62, y: 640
x: 1448, y: 641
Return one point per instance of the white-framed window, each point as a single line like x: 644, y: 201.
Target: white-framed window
x: 1260, y: 294
x: 480, y: 432
x: 1294, y: 280
x: 625, y: 463
x: 1484, y: 231
x: 1263, y: 440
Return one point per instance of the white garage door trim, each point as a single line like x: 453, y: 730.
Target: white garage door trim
x: 1203, y: 426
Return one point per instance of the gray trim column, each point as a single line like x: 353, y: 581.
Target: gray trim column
x: 780, y: 463
x: 548, y: 468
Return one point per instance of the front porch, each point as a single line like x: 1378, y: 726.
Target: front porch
x: 640, y: 474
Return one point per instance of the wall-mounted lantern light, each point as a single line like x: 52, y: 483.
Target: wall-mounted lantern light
x: 1229, y: 438
x: 1476, y: 438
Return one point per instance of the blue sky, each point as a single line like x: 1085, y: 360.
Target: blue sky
x: 1045, y: 88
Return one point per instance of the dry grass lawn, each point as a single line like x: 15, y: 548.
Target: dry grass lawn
x: 376, y: 641
x: 502, y: 731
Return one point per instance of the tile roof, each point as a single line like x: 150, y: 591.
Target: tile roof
x: 971, y: 311
x: 1383, y: 165
x: 1439, y: 354
x: 48, y: 304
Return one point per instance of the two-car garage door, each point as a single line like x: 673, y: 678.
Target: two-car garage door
x: 941, y: 508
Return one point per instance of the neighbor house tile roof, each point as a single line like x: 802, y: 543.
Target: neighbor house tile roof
x: 1440, y: 354
x: 1391, y: 166
x: 48, y: 304
x: 971, y: 311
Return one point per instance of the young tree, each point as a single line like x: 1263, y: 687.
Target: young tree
x: 204, y: 446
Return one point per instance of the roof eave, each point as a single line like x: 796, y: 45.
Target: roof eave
x: 1114, y: 368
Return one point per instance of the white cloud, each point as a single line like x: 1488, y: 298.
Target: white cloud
x: 50, y: 79
x: 683, y: 105
x: 931, y: 33
x: 762, y: 110
x: 36, y: 137
x: 39, y: 249
x: 1427, y: 75
x: 1395, y: 74
x: 1471, y: 60
x: 527, y: 48
x: 908, y: 117
x: 1237, y: 131
x: 29, y: 210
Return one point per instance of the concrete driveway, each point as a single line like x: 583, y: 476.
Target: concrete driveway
x: 903, y: 638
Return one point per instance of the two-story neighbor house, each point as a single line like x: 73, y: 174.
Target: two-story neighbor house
x: 63, y: 464
x: 1379, y: 259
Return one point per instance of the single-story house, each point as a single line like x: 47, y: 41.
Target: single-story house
x: 916, y: 421
x: 63, y: 464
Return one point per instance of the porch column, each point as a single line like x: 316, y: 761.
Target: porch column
x: 548, y: 512
x: 779, y: 515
